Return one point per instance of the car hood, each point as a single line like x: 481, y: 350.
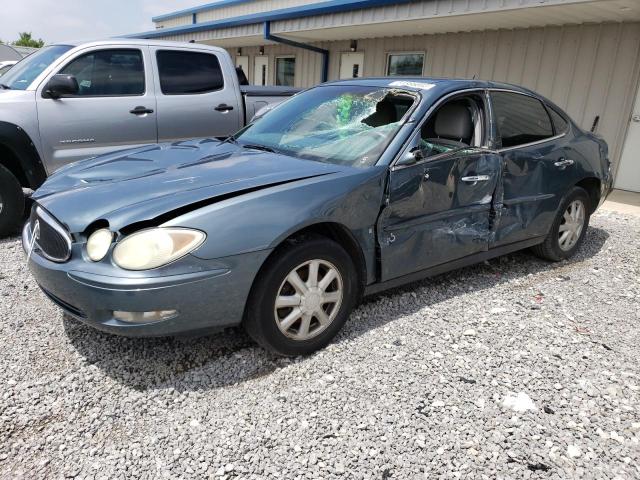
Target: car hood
x: 145, y: 183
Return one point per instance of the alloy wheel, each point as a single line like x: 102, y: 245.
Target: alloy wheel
x: 308, y: 299
x: 571, y: 226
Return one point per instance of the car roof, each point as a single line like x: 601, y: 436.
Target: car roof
x: 426, y: 83
x: 141, y: 42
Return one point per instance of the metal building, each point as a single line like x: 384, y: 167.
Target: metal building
x: 582, y: 54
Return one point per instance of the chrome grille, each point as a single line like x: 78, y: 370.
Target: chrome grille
x: 52, y: 239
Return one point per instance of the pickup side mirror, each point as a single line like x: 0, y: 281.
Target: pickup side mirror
x: 61, y: 85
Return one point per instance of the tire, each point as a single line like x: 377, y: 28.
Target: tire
x: 268, y: 324
x: 552, y: 248
x: 11, y: 202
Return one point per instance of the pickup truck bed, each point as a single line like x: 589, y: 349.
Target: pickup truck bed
x: 257, y: 97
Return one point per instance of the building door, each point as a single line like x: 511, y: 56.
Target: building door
x: 261, y: 70
x: 242, y: 61
x: 628, y: 177
x: 352, y: 65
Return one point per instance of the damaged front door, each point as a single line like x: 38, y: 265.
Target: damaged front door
x: 439, y: 209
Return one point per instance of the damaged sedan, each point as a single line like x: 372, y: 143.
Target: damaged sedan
x: 344, y: 190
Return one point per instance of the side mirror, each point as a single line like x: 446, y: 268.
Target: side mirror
x: 412, y: 156
x: 61, y: 85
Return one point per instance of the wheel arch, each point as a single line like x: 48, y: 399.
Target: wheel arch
x: 18, y: 154
x: 335, y: 231
x: 592, y: 186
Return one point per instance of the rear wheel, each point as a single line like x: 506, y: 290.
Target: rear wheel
x: 11, y: 202
x: 568, y: 229
x: 302, y: 297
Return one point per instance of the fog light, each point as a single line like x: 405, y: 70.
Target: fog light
x: 144, y: 317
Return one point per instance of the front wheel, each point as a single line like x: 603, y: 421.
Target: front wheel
x: 568, y: 229
x: 11, y: 202
x: 302, y: 297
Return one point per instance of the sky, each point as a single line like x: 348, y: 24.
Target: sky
x: 60, y: 20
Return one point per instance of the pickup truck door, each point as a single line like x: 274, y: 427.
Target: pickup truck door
x: 198, y: 94
x: 438, y: 210
x: 113, y: 109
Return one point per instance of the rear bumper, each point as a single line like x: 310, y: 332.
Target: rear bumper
x: 205, y: 300
x: 607, y: 187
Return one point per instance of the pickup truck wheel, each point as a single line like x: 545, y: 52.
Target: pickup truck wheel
x: 302, y: 297
x: 568, y: 229
x: 11, y: 202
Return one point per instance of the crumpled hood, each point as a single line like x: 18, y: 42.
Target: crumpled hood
x: 141, y: 184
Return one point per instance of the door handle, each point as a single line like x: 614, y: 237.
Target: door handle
x: 224, y: 108
x: 140, y: 110
x: 564, y: 163
x: 476, y: 178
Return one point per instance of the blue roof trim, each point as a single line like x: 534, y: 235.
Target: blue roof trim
x: 332, y: 6
x: 202, y: 8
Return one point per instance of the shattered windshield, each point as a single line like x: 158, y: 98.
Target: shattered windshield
x: 348, y: 125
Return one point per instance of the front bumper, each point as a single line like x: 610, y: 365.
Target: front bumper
x: 207, y: 295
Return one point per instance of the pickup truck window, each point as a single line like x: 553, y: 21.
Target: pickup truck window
x: 26, y: 71
x: 188, y: 73
x: 108, y: 73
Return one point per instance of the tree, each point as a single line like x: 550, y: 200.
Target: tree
x: 26, y: 40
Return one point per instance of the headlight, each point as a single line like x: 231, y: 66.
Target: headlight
x: 155, y: 247
x: 99, y: 243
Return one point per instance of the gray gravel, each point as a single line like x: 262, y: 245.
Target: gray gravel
x: 515, y: 368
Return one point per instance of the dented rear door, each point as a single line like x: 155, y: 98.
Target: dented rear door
x: 438, y: 210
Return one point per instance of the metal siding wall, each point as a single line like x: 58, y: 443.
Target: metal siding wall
x: 212, y: 35
x: 176, y: 22
x: 248, y: 8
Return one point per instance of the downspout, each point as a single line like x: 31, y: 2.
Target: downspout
x: 286, y: 41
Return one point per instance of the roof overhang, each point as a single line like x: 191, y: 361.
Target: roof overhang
x: 354, y: 19
x: 541, y: 15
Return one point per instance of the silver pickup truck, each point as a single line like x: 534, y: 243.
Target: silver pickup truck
x: 68, y: 102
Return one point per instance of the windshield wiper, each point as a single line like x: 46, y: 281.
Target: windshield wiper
x: 230, y: 139
x: 264, y: 148
x: 5, y: 87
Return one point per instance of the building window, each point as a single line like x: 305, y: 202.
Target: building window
x: 285, y: 71
x: 405, y: 64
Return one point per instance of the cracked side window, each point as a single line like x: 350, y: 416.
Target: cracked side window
x: 456, y: 125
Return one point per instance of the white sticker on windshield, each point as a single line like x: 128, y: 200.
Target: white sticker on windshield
x: 418, y: 85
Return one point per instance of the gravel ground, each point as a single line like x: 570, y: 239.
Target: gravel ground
x: 515, y: 368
